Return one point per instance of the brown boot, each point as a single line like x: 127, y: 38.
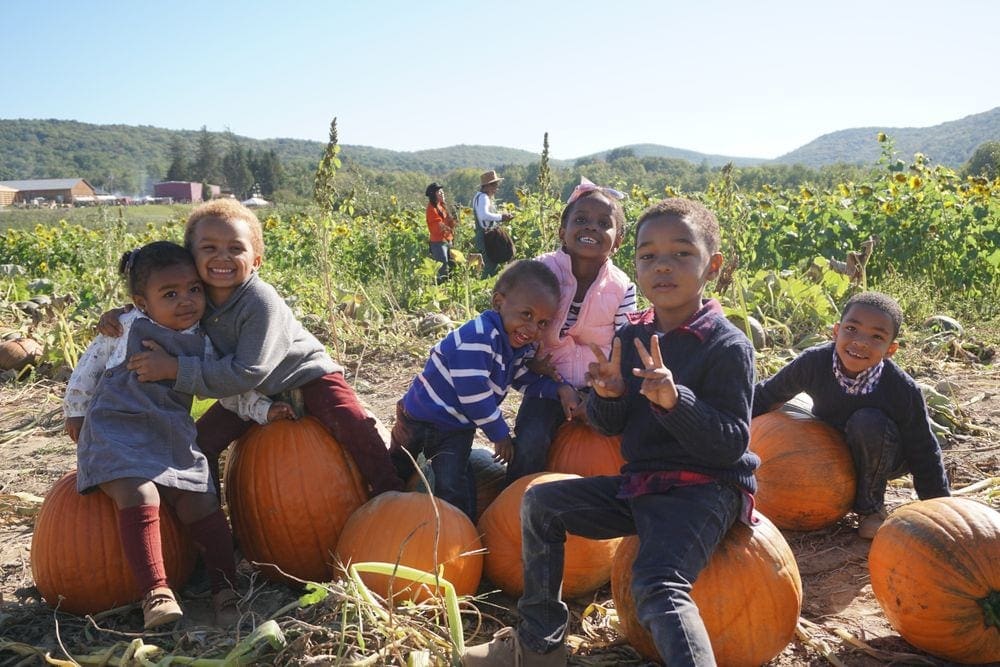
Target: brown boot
x: 506, y: 650
x: 160, y: 607
x: 225, y: 604
x: 870, y: 523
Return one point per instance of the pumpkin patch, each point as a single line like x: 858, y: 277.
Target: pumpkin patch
x: 580, y: 450
x: 77, y: 560
x: 749, y: 596
x: 291, y: 488
x: 806, y: 477
x: 417, y: 530
x: 935, y: 571
x: 587, y: 564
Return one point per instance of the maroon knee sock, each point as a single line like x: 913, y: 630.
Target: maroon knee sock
x: 139, y: 527
x: 215, y: 539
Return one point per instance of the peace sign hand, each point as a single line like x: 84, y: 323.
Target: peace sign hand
x: 658, y: 382
x: 605, y: 375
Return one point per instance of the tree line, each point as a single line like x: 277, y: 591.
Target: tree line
x: 241, y: 170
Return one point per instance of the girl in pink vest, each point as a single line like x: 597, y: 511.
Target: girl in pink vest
x: 596, y: 297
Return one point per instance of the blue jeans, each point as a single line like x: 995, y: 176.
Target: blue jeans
x: 875, y: 446
x: 537, y: 421
x: 448, y: 452
x: 678, y: 532
x: 441, y: 252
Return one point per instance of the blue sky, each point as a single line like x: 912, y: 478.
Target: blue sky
x: 739, y: 78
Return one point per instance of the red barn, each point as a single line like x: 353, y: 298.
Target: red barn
x: 184, y: 191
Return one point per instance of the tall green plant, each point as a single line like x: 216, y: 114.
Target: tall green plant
x: 324, y: 195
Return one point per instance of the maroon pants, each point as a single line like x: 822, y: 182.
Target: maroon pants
x: 333, y: 402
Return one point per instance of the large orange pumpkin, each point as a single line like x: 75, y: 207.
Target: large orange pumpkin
x: 291, y: 488
x: 749, y: 596
x: 935, y: 571
x: 580, y: 450
x: 76, y: 551
x: 806, y: 478
x: 587, y: 564
x: 490, y: 477
x: 396, y: 527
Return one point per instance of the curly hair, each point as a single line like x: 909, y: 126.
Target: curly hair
x: 692, y: 212
x: 227, y: 210
x: 878, y: 301
x: 527, y: 272
x: 137, y: 265
x: 617, y: 212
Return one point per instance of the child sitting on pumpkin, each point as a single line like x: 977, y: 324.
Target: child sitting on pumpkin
x: 678, y: 387
x: 856, y: 388
x: 467, y: 377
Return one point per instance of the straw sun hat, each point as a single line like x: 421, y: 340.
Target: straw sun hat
x: 489, y: 177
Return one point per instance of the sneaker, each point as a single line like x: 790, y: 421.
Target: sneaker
x: 506, y: 651
x: 870, y: 523
x: 160, y: 607
x: 225, y: 604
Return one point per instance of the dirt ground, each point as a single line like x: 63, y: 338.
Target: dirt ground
x: 842, y: 622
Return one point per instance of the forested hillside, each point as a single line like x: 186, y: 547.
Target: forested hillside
x: 129, y: 159
x: 951, y: 143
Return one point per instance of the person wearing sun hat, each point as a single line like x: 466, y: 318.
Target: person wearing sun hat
x: 486, y: 216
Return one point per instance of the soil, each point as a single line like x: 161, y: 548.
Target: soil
x: 837, y: 598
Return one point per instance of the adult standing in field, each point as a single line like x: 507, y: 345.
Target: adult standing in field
x: 441, y: 227
x: 487, y: 218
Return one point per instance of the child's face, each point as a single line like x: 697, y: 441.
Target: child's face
x: 672, y: 265
x: 224, y: 254
x: 863, y: 337
x: 174, y: 298
x: 590, y: 230
x: 525, y: 310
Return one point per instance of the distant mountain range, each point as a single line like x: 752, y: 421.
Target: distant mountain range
x: 951, y: 143
x: 120, y: 154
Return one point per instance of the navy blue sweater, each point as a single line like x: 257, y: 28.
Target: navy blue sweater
x: 896, y: 395
x: 708, y: 431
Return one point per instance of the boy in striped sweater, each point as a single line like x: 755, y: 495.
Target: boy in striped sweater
x: 467, y: 377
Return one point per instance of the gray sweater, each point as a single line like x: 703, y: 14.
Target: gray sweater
x: 261, y: 344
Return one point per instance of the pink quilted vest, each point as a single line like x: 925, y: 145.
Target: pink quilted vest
x: 571, y: 353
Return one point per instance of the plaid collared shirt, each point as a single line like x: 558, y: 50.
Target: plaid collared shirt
x: 863, y: 384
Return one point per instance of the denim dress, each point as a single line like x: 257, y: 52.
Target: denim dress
x: 143, y: 429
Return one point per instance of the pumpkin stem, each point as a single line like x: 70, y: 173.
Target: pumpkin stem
x: 991, y: 609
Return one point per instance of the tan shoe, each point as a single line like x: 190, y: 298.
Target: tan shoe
x: 159, y: 607
x: 225, y: 603
x: 507, y: 651
x: 870, y: 523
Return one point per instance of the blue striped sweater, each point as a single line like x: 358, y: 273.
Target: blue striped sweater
x: 467, y: 377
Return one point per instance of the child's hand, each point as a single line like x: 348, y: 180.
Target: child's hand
x: 72, y: 427
x: 154, y: 365
x: 109, y: 324
x: 280, y: 410
x: 503, y: 451
x: 658, y: 382
x: 570, y: 399
x: 605, y: 375
x: 543, y: 366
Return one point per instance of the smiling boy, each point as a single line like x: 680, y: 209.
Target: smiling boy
x: 856, y: 388
x: 677, y: 387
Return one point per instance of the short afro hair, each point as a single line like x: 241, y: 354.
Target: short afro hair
x: 528, y: 272
x: 228, y: 210
x: 692, y: 212
x: 878, y: 301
